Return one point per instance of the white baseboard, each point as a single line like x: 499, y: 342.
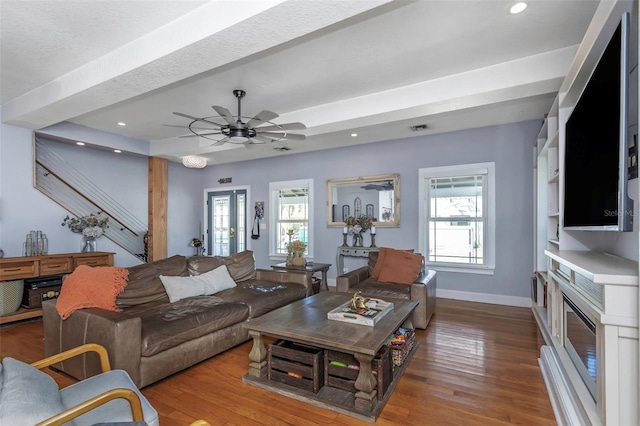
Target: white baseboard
x: 496, y: 299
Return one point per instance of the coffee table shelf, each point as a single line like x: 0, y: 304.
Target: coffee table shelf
x: 305, y: 322
x: 335, y: 399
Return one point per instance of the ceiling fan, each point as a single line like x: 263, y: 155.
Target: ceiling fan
x: 385, y: 186
x: 225, y: 128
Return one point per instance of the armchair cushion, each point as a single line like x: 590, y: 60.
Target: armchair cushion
x: 400, y: 267
x: 23, y: 389
x: 377, y: 260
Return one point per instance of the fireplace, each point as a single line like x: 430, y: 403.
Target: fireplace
x: 580, y: 343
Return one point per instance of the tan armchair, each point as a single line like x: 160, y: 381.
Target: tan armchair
x: 30, y: 396
x: 423, y: 290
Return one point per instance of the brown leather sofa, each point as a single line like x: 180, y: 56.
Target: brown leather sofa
x: 423, y: 290
x: 152, y: 338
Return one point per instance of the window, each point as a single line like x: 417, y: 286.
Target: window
x: 291, y: 210
x: 457, y: 217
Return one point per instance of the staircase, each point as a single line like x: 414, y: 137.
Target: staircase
x: 64, y: 184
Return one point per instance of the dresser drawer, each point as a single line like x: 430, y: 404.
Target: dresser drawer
x: 57, y: 265
x: 18, y: 269
x: 100, y: 260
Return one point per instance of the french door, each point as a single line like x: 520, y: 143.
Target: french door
x: 227, y: 220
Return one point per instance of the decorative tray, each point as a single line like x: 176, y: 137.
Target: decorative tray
x: 366, y: 316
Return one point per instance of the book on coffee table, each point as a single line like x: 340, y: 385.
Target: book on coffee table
x: 369, y: 316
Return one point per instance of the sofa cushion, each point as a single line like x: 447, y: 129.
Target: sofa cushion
x: 209, y: 283
x: 165, y: 325
x: 241, y: 266
x: 197, y: 265
x: 264, y: 296
x: 400, y: 267
x: 28, y: 396
x: 144, y: 283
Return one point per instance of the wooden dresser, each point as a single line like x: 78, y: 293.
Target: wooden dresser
x: 14, y: 268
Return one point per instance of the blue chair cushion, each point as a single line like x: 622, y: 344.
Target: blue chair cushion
x: 28, y: 395
x: 117, y: 410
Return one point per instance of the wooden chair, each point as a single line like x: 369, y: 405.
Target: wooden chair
x: 86, y: 398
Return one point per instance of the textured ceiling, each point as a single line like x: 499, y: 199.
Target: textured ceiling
x: 371, y: 67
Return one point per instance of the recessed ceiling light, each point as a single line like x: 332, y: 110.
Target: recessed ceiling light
x: 80, y: 143
x: 353, y: 135
x: 120, y: 123
x: 117, y: 151
x: 517, y: 8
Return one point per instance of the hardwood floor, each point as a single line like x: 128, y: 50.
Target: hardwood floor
x: 476, y: 365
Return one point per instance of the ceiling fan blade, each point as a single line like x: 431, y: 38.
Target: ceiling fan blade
x: 249, y: 144
x: 275, y: 135
x: 262, y: 138
x: 193, y: 135
x: 191, y: 117
x: 261, y: 118
x: 192, y: 127
x: 224, y: 113
x: 280, y: 127
x: 220, y: 142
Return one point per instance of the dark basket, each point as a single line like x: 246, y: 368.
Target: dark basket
x: 399, y: 354
x: 315, y: 285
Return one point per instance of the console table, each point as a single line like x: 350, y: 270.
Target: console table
x: 351, y: 252
x: 15, y: 268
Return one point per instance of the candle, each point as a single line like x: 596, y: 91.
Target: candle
x: 344, y: 230
x: 373, y: 229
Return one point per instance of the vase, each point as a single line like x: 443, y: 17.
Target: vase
x: 299, y: 261
x: 357, y: 240
x: 89, y: 244
x: 289, y: 259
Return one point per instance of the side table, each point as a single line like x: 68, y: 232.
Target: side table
x: 351, y: 252
x: 310, y: 269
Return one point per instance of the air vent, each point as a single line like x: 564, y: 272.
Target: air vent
x: 419, y: 127
x: 282, y: 148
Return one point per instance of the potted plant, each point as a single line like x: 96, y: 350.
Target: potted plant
x: 297, y: 248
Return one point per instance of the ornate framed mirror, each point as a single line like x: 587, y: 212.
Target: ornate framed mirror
x: 377, y: 196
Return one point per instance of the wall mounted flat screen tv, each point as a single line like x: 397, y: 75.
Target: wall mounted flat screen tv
x: 595, y: 183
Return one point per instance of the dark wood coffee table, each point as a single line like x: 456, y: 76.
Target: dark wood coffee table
x: 305, y: 322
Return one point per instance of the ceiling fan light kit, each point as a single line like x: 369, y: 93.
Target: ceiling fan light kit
x: 225, y: 128
x: 194, y: 161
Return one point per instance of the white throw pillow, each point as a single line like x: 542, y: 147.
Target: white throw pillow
x: 206, y: 284
x: 219, y: 279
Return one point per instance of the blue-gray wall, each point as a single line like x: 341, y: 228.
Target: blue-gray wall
x: 509, y: 146
x: 23, y: 208
x: 123, y: 177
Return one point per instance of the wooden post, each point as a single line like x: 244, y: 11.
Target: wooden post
x: 157, y: 215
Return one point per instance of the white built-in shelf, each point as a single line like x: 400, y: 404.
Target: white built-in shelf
x: 554, y: 214
x: 554, y: 178
x: 554, y: 241
x: 601, y: 268
x: 554, y: 140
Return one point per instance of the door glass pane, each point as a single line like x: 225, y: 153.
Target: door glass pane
x: 221, y: 217
x: 241, y: 231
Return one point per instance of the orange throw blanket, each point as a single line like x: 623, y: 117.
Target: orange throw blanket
x: 91, y: 287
